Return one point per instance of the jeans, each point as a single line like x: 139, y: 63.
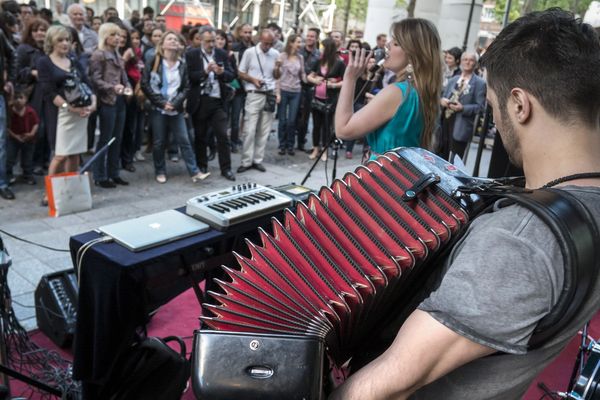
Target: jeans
x: 237, y: 105
x: 112, y: 122
x: 288, y: 111
x: 306, y: 97
x: 162, y: 125
x: 3, y: 144
x: 132, y: 132
x: 13, y: 149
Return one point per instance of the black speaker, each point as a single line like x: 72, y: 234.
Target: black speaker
x: 56, y: 306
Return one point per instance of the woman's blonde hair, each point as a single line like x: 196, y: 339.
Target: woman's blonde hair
x: 159, y: 46
x: 421, y: 42
x: 54, y: 33
x: 105, y: 31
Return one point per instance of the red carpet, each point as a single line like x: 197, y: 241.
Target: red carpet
x: 180, y: 317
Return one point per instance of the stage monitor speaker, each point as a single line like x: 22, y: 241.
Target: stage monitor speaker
x: 56, y: 306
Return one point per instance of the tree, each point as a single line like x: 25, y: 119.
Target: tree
x: 522, y: 7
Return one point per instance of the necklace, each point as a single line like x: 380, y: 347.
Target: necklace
x: 583, y: 175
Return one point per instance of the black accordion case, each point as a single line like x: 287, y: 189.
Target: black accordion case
x: 312, y: 291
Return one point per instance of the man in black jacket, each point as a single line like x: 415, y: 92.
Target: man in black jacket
x: 209, y: 70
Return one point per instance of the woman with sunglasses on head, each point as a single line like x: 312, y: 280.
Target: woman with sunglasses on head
x: 107, y: 72
x: 66, y: 124
x: 404, y: 113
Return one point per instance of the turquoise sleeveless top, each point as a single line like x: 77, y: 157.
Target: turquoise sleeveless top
x: 405, y: 127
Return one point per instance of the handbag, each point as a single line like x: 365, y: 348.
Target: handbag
x: 270, y: 102
x: 150, y: 369
x: 68, y: 193
x: 77, y: 92
x: 321, y: 105
x: 271, y: 97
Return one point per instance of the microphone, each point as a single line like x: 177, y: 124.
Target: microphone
x: 375, y: 68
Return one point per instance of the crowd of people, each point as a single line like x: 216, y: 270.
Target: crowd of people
x: 201, y: 93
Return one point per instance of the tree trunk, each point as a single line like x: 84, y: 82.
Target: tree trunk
x: 410, y: 9
x: 528, y: 6
x: 265, y: 13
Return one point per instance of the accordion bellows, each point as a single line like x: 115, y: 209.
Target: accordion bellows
x: 340, y: 261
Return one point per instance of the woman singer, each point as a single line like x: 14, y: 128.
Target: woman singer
x: 404, y: 113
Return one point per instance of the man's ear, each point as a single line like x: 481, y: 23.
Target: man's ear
x: 520, y: 105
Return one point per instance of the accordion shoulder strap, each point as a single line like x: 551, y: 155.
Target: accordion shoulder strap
x: 577, y: 233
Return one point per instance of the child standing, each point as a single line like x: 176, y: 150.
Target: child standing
x: 24, y: 123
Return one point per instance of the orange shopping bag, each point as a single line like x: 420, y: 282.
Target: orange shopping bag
x: 68, y: 193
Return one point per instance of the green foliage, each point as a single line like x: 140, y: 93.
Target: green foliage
x: 358, y: 8
x: 520, y: 7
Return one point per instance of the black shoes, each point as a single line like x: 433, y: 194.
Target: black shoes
x: 204, y: 170
x: 211, y: 154
x: 291, y: 152
x: 259, y: 167
x: 281, y: 152
x: 7, y: 194
x: 228, y: 175
x: 120, y: 181
x: 105, y: 184
x: 129, y: 168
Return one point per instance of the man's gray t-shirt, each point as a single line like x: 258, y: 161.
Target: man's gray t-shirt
x: 501, y: 279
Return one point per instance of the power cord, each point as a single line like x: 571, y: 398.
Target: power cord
x: 83, y: 249
x: 33, y: 243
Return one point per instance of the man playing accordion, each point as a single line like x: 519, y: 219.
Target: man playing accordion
x: 468, y: 338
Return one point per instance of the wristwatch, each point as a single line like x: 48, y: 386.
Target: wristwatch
x: 64, y: 105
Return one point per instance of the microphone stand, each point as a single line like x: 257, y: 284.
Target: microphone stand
x: 334, y: 140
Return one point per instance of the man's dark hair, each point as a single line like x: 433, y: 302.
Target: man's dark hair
x: 315, y: 30
x: 11, y: 6
x: 274, y: 27
x: 148, y: 10
x: 555, y: 57
x: 46, y: 14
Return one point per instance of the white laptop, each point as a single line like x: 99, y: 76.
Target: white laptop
x: 153, y: 230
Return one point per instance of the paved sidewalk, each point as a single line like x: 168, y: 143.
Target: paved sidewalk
x: 24, y: 217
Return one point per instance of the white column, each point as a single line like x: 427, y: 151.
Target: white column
x: 380, y: 16
x: 220, y: 16
x: 454, y: 15
x: 120, y: 6
x: 256, y: 12
x: 429, y: 9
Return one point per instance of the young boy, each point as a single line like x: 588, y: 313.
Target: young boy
x: 22, y: 131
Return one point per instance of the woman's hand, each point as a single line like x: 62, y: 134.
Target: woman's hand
x: 169, y: 107
x: 119, y: 88
x: 357, y: 65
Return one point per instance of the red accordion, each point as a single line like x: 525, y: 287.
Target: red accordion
x: 338, y: 263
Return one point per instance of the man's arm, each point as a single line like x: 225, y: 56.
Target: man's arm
x: 423, y: 351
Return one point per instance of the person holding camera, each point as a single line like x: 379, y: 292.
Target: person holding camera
x: 209, y: 69
x: 463, y: 99
x: 256, y: 70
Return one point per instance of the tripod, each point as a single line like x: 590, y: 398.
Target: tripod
x: 335, y: 144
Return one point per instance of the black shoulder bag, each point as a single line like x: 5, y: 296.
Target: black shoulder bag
x: 271, y: 99
x: 77, y: 92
